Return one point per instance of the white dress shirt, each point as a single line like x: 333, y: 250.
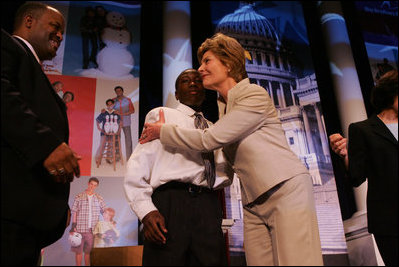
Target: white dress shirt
x: 153, y: 164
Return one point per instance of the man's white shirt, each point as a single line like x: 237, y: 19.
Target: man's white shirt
x: 153, y: 164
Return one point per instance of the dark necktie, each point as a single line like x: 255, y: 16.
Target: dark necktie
x: 208, y: 157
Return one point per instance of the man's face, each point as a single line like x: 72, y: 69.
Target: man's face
x: 190, y: 90
x: 92, y: 185
x: 45, y: 33
x: 119, y: 92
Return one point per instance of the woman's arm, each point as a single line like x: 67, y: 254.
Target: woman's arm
x: 248, y: 114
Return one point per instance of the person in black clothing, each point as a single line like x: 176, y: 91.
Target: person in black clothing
x: 371, y: 152
x: 37, y: 164
x: 101, y: 23
x: 88, y: 30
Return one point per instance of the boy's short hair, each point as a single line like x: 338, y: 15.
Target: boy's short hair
x: 94, y: 179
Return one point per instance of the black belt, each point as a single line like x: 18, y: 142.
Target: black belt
x: 191, y: 188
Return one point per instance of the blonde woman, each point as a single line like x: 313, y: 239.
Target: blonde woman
x: 280, y: 223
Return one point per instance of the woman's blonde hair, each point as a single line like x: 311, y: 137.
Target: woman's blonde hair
x: 229, y: 51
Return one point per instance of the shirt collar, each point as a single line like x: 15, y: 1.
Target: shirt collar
x: 186, y: 109
x: 30, y: 47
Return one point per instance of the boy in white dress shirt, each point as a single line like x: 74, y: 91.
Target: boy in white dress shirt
x: 166, y: 189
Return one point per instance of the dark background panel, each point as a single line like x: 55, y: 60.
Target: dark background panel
x: 202, y: 28
x: 328, y: 103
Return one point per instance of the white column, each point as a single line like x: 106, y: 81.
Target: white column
x: 272, y: 63
x: 292, y: 95
x: 308, y: 132
x: 282, y: 96
x: 345, y: 80
x: 271, y: 91
x: 177, y: 54
x: 322, y: 131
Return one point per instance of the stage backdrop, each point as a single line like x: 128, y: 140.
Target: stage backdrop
x: 275, y: 35
x: 91, y: 62
x: 379, y: 25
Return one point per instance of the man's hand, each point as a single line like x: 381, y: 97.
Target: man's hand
x: 63, y: 164
x: 152, y: 131
x: 338, y: 145
x: 154, y: 227
x: 73, y: 228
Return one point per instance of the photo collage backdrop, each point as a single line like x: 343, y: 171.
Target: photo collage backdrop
x: 91, y: 61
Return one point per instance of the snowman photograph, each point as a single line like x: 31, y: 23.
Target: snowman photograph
x: 114, y: 60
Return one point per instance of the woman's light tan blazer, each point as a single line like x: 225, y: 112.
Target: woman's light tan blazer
x: 252, y: 138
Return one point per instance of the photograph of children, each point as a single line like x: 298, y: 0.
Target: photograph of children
x: 112, y: 148
x: 106, y: 233
x: 112, y: 212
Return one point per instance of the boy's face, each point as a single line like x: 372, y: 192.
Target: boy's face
x: 190, y: 90
x: 58, y: 87
x: 92, y: 185
x: 110, y: 105
x: 108, y: 215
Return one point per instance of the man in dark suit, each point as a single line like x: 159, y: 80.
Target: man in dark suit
x: 37, y: 165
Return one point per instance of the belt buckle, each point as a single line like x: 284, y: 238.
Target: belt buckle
x: 193, y: 189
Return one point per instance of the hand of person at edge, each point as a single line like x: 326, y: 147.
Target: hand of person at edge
x: 338, y: 144
x: 154, y: 227
x: 152, y: 131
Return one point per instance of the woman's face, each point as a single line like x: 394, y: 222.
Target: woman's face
x: 212, y: 70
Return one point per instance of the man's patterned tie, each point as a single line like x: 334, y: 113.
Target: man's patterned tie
x: 208, y: 157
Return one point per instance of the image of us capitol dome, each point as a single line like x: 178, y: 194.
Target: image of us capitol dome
x: 275, y: 67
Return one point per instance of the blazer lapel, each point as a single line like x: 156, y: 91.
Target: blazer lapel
x: 381, y: 129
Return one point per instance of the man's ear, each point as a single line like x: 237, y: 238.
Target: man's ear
x: 176, y: 95
x: 28, y: 20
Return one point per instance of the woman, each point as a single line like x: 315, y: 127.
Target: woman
x: 280, y: 224
x: 372, y: 153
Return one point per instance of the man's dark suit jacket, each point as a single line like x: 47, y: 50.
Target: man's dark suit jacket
x: 33, y: 124
x: 373, y: 154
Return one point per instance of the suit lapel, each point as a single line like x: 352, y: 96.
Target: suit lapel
x: 39, y: 70
x: 379, y: 128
